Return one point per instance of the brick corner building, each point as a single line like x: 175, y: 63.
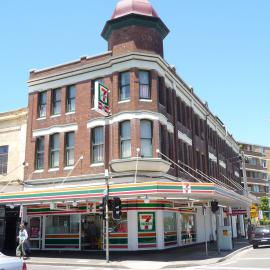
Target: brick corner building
x: 152, y: 109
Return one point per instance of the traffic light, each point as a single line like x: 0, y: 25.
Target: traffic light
x: 214, y: 206
x: 117, y: 206
x: 102, y: 207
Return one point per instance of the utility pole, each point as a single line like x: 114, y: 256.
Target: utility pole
x: 107, y: 216
x: 106, y: 165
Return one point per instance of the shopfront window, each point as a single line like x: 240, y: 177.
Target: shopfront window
x: 119, y: 226
x: 64, y: 224
x: 188, y: 229
x: 169, y: 222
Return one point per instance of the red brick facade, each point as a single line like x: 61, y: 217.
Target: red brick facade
x: 200, y: 141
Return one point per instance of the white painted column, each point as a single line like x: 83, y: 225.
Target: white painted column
x: 234, y: 226
x: 160, y: 229
x: 179, y: 229
x: 242, y: 225
x: 214, y: 226
x: 132, y: 217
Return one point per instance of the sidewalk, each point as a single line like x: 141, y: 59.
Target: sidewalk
x: 172, y: 258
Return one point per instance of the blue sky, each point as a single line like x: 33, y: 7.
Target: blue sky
x: 221, y: 48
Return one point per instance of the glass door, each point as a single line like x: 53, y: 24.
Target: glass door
x: 91, y: 232
x: 35, y: 233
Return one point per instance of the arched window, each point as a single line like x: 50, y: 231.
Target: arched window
x: 146, y: 138
x: 125, y: 140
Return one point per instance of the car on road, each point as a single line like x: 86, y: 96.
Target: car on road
x: 260, y: 236
x: 11, y: 263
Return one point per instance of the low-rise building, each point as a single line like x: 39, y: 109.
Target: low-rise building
x: 12, y: 154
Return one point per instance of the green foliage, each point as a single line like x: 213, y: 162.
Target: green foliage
x: 264, y: 204
x: 265, y: 221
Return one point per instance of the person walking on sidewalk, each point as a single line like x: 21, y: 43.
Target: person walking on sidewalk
x: 22, y: 237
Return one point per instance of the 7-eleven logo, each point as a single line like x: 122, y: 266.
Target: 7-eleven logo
x: 146, y: 222
x: 186, y: 188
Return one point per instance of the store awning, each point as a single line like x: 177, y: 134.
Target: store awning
x: 168, y: 190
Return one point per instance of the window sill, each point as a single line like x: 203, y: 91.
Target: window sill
x: 54, y: 170
x: 41, y: 118
x: 68, y: 113
x: 68, y: 168
x: 38, y: 171
x: 124, y: 101
x: 146, y: 100
x: 55, y: 115
x: 96, y: 165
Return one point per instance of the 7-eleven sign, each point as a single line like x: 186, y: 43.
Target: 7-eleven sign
x: 101, y: 103
x: 146, y: 222
x: 186, y: 188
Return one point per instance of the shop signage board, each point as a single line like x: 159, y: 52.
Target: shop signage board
x: 101, y: 102
x: 147, y: 222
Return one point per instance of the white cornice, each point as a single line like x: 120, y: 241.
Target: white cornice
x: 123, y: 116
x: 184, y: 138
x: 54, y: 129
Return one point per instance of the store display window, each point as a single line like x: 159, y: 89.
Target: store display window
x: 188, y: 226
x: 62, y: 224
x: 169, y: 222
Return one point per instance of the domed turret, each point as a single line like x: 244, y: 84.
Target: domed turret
x: 135, y: 26
x: 140, y: 7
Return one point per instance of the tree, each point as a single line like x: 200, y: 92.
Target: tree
x: 264, y: 206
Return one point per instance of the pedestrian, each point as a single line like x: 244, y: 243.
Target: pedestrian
x: 26, y: 242
x: 22, y: 237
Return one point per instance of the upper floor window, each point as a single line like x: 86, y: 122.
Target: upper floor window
x: 161, y: 91
x: 39, y: 164
x: 124, y: 86
x: 169, y: 101
x: 56, y: 101
x: 146, y: 138
x: 69, y: 149
x: 144, y: 83
x: 54, y: 150
x: 71, y: 98
x: 97, y: 144
x: 100, y: 80
x: 42, y: 100
x: 3, y: 159
x: 125, y: 139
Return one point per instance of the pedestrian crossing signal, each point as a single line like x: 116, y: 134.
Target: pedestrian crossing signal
x: 117, y: 207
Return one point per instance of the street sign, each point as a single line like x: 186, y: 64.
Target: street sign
x: 101, y: 102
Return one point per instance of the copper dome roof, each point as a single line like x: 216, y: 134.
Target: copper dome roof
x: 140, y: 7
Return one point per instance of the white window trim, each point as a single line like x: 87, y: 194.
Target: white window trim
x: 145, y: 100
x: 55, y: 129
x: 53, y: 170
x: 97, y: 165
x: 124, y: 101
x: 124, y: 116
x: 55, y: 115
x: 184, y: 138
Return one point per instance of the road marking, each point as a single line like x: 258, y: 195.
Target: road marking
x: 251, y: 259
x: 230, y: 268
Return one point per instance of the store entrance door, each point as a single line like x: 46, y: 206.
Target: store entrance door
x: 35, y: 232
x: 91, y: 232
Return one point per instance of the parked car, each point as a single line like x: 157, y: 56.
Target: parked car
x: 11, y: 263
x: 260, y: 236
